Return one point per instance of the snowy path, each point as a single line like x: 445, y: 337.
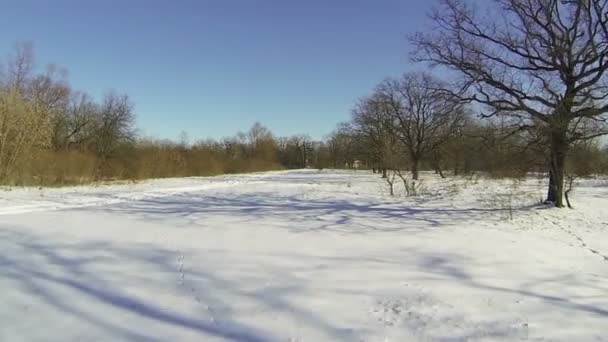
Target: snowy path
x: 301, y: 256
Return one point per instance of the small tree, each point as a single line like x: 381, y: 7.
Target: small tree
x: 78, y: 124
x: 425, y: 115
x: 114, y: 125
x: 262, y: 144
x: 373, y: 121
x: 295, y: 151
x: 341, y: 146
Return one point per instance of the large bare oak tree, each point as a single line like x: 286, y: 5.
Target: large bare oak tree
x: 542, y: 62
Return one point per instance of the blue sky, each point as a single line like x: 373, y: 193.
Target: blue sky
x: 213, y: 67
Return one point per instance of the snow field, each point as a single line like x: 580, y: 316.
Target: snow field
x: 303, y: 256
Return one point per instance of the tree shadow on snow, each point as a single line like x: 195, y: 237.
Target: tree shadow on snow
x: 78, y: 280
x: 453, y: 267
x: 303, y: 214
x: 61, y: 275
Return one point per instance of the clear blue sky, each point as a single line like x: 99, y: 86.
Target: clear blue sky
x: 213, y: 67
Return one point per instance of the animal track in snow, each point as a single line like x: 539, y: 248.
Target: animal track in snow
x: 193, y: 293
x: 180, y: 268
x: 582, y: 242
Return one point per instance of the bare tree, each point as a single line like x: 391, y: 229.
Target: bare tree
x: 321, y: 157
x: 20, y: 66
x: 24, y: 118
x: 303, y: 148
x: 262, y: 143
x: 21, y: 130
x: 295, y: 152
x: 76, y: 125
x: 50, y: 93
x: 543, y: 62
x: 373, y: 121
x: 425, y: 115
x: 114, y: 126
x: 340, y: 144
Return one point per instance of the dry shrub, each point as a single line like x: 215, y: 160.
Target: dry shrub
x: 135, y: 161
x: 55, y: 168
x: 205, y: 163
x: 23, y: 128
x: 509, y: 173
x: 159, y: 163
x: 585, y: 159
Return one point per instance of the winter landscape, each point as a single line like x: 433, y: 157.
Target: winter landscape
x: 303, y: 256
x: 304, y: 171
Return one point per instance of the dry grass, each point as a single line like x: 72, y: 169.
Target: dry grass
x: 61, y: 168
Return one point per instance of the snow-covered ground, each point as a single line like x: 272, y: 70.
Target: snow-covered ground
x: 303, y: 256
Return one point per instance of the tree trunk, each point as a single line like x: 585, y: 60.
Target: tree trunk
x: 570, y: 182
x: 414, y: 168
x: 440, y: 172
x: 384, y: 172
x: 557, y: 160
x: 551, y: 192
x: 437, y: 167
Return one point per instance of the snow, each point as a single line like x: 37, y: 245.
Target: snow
x: 303, y: 256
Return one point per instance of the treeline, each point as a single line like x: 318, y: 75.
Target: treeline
x: 485, y: 146
x: 413, y: 123
x: 51, y: 134
x: 255, y: 150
